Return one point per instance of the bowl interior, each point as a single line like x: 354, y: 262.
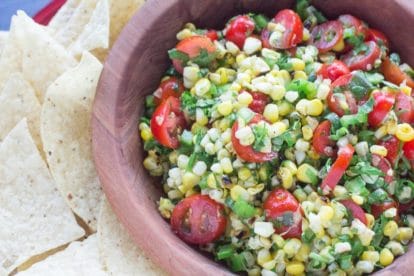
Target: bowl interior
x: 133, y: 70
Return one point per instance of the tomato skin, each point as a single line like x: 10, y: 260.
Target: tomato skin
x: 264, y: 36
x: 322, y: 32
x: 403, y: 208
x: 293, y: 34
x: 278, y: 203
x: 333, y: 101
x: 404, y: 108
x: 378, y: 37
x: 383, y: 103
x: 170, y: 87
x: 378, y: 209
x: 349, y: 21
x: 334, y: 70
x: 355, y: 209
x: 238, y: 29
x: 192, y: 46
x: 212, y: 34
x: 167, y: 122
x: 408, y: 150
x: 384, y: 165
x: 394, y: 74
x: 338, y: 168
x: 321, y: 142
x: 247, y: 153
x: 365, y: 60
x: 260, y: 100
x: 198, y: 219
x: 392, y: 145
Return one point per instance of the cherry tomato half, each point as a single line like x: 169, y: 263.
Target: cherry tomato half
x: 394, y: 74
x: 408, y: 150
x: 260, y: 100
x: 171, y: 87
x: 238, y: 29
x: 198, y: 219
x: 321, y: 142
x: 247, y: 153
x: 193, y: 46
x: 350, y: 21
x: 392, y: 145
x: 338, y: 168
x: 378, y: 209
x: 337, y: 102
x: 326, y: 35
x: 385, y: 166
x: 293, y: 33
x: 378, y: 37
x: 167, y: 123
x: 404, y: 108
x: 212, y: 34
x: 383, y: 103
x: 364, y: 60
x: 334, y: 70
x: 356, y: 210
x: 282, y: 208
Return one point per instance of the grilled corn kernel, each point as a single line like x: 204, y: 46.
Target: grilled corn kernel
x: 245, y: 98
x: 271, y: 113
x: 297, y: 64
x: 405, y: 234
x: 225, y: 108
x: 295, y: 268
x: 379, y: 150
x: 189, y: 181
x: 292, y: 247
x: 404, y: 132
x: 370, y: 220
x: 244, y: 173
x: 391, y: 229
x: 286, y: 176
x: 315, y: 107
x: 146, y: 134
x: 386, y: 257
x: 307, y: 132
x: 278, y: 92
x: 372, y: 256
x: 238, y: 192
x: 300, y: 75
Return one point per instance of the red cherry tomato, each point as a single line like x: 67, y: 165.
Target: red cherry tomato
x: 326, y: 35
x: 334, y: 70
x: 198, y: 219
x: 321, y: 142
x: 264, y: 36
x: 192, y: 46
x: 170, y: 87
x: 350, y: 21
x: 404, y: 208
x: 378, y: 209
x: 293, y: 33
x: 337, y: 101
x: 338, y: 168
x: 260, y: 100
x: 167, y: 123
x: 392, y: 145
x: 364, y: 60
x: 383, y: 103
x: 239, y: 28
x: 394, y: 74
x: 247, y: 153
x: 355, y: 209
x: 212, y: 34
x: 404, y: 108
x: 280, y: 204
x: 385, y: 166
x: 408, y: 150
x: 378, y: 37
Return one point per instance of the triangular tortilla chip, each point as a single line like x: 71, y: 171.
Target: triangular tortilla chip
x: 3, y: 38
x: 67, y: 138
x: 34, y: 217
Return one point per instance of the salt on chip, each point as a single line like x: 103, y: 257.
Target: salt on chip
x: 34, y: 218
x: 18, y: 101
x: 43, y: 58
x: 63, y: 16
x: 119, y: 253
x: 67, y: 138
x: 79, y: 258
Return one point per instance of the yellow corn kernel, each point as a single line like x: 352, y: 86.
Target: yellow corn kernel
x: 306, y: 34
x: 278, y: 92
x: 406, y: 89
x: 404, y: 132
x: 286, y: 176
x: 271, y: 113
x: 292, y: 247
x: 190, y: 192
x: 405, y: 234
x: 225, y: 108
x: 370, y: 220
x: 320, y: 234
x: 303, y: 253
x: 238, y: 192
x: 190, y: 26
x: 263, y: 256
x: 201, y: 118
x: 297, y: 64
x: 391, y: 229
x: 380, y: 132
x: 339, y: 46
x: 235, y: 87
x: 223, y: 75
x: 307, y: 174
x: 391, y: 126
x: 224, y: 124
x: 315, y: 107
x: 284, y: 74
x: 240, y: 58
x: 244, y: 98
x: 211, y: 181
x: 291, y: 166
x: 256, y: 189
x: 202, y: 87
x: 146, y: 134
x: 386, y: 257
x: 313, y: 154
x: 278, y: 240
x: 326, y: 213
x: 244, y: 173
x: 295, y: 268
x: 379, y: 150
x: 357, y: 199
x: 269, y: 265
x: 189, y: 181
x: 307, y: 132
x: 372, y: 256
x: 300, y: 75
x: 226, y: 165
x: 285, y: 108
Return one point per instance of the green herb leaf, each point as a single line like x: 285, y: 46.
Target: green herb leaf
x: 188, y: 103
x: 260, y: 136
x: 225, y: 252
x: 305, y: 88
x: 361, y: 117
x: 243, y: 209
x: 204, y: 58
x: 178, y: 55
x: 357, y: 186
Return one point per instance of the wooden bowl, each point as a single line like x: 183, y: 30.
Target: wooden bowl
x: 133, y: 70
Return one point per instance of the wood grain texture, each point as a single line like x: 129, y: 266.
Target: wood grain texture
x: 133, y: 70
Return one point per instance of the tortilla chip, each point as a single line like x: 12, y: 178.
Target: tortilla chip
x: 17, y: 101
x: 33, y: 216
x: 119, y: 253
x: 79, y: 258
x: 67, y: 138
x: 3, y: 39
x: 63, y: 16
x: 43, y: 58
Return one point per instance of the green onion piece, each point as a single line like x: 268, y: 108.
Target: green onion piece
x: 378, y: 196
x: 243, y: 209
x: 260, y: 21
x: 308, y: 236
x: 237, y: 263
x: 357, y: 186
x: 305, y: 88
x: 246, y: 114
x: 225, y: 251
x: 181, y: 56
x: 395, y: 58
x: 186, y: 138
x: 345, y: 262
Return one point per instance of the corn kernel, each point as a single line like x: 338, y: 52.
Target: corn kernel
x: 201, y: 118
x: 391, y: 229
x: 238, y: 192
x: 285, y: 108
x: 245, y: 98
x: 386, y: 257
x: 391, y: 126
x: 278, y: 240
x: 225, y: 108
x: 284, y: 74
x: 292, y: 247
x: 244, y: 173
x: 379, y: 150
x: 357, y: 199
x: 189, y: 181
x: 372, y: 256
x: 290, y: 165
x: 202, y: 87
x: 306, y: 34
x: 339, y: 46
x: 326, y: 213
x: 184, y: 33
x: 190, y: 76
x: 146, y: 134
x: 297, y: 64
x: 211, y: 181
x: 380, y: 132
x: 277, y: 92
x: 370, y: 220
x: 302, y: 106
x: 300, y: 75
x: 226, y: 165
x: 315, y: 107
x: 404, y: 132
x: 295, y: 268
x: 307, y: 174
x: 263, y: 256
x: 240, y: 58
x: 406, y: 89
x: 405, y: 234
x: 271, y: 113
x: 286, y: 176
x: 303, y: 253
x: 307, y: 132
